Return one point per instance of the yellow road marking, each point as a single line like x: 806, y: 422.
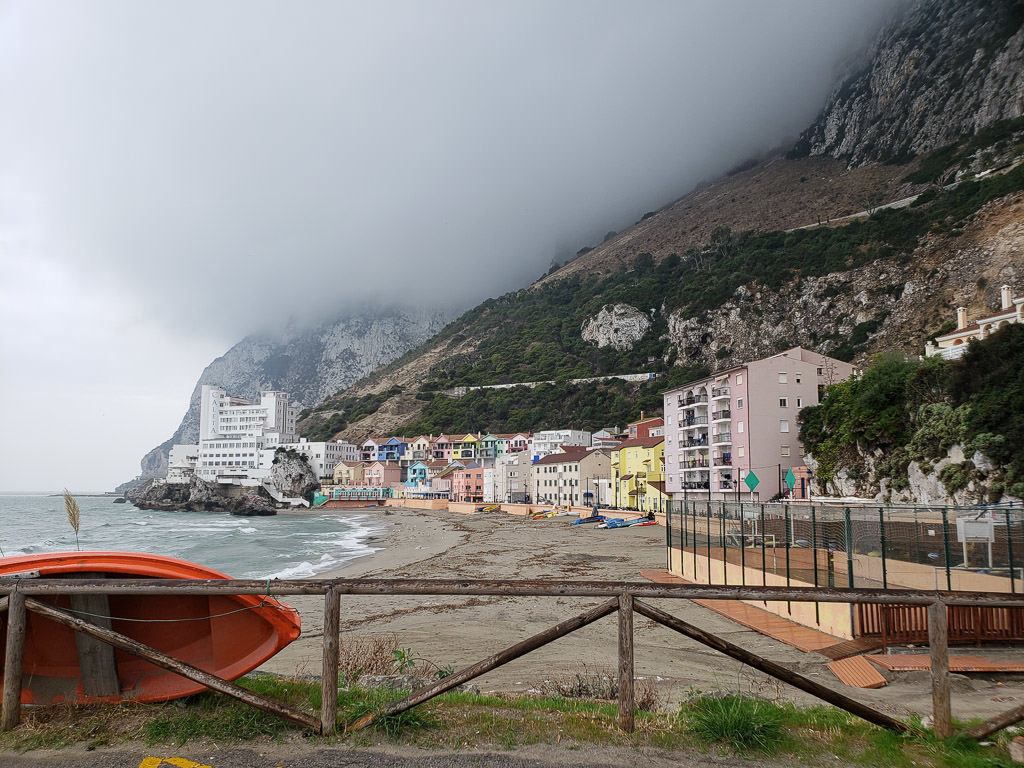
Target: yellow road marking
x: 178, y: 762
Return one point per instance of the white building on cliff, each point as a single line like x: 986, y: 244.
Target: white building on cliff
x: 953, y: 345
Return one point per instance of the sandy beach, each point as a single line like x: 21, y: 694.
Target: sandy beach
x: 459, y: 631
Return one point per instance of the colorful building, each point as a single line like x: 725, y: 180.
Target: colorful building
x: 743, y: 421
x: 638, y: 471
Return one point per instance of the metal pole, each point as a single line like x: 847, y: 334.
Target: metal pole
x: 849, y: 550
x: 743, y: 546
x: 814, y: 553
x: 668, y: 537
x: 1009, y: 551
x: 725, y: 550
x: 881, y: 529
x: 945, y: 543
x: 709, y: 540
x: 764, y: 551
x: 789, y: 606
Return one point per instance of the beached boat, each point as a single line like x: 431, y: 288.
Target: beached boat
x: 591, y: 519
x: 226, y: 635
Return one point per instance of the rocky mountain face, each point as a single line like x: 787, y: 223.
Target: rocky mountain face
x: 307, y: 363
x: 887, y: 304
x: 942, y: 70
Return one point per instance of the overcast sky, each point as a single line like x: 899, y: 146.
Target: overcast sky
x: 175, y: 175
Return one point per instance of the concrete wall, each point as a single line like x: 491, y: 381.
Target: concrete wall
x: 901, y: 574
x: 833, y: 618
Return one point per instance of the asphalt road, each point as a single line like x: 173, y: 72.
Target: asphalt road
x: 298, y: 756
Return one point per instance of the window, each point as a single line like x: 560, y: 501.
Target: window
x: 799, y: 402
x: 783, y: 425
x: 783, y: 402
x: 801, y: 450
x: 783, y: 378
x: 783, y: 450
x: 739, y: 378
x: 739, y: 427
x: 796, y: 378
x: 820, y: 371
x: 740, y: 450
x: 739, y: 402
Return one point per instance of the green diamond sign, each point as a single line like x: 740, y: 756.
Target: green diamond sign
x: 751, y: 481
x: 790, y: 478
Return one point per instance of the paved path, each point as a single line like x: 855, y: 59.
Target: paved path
x: 304, y: 756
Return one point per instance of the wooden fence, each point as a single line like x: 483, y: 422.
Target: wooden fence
x: 624, y: 598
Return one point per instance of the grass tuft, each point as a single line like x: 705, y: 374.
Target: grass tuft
x: 744, y: 724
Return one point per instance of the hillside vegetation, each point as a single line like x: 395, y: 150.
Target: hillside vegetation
x: 871, y: 427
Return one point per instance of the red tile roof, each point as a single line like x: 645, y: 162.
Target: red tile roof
x: 639, y: 442
x: 570, y: 453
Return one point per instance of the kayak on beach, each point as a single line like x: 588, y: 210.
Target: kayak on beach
x: 610, y: 522
x: 591, y: 519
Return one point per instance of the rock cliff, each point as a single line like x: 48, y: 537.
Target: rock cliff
x: 884, y: 305
x: 307, y: 363
x: 619, y: 326
x: 942, y: 70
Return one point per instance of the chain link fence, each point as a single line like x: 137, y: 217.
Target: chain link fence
x: 891, y: 547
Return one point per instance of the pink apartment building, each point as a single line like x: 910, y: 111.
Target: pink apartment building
x: 382, y: 474
x: 468, y: 483
x: 721, y: 428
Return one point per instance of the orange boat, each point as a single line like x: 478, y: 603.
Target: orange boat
x: 225, y: 635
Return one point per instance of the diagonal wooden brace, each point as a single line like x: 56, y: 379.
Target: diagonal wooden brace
x: 770, y: 667
x: 503, y: 657
x: 171, y: 664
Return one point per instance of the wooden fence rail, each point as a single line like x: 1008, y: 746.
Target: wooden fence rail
x: 20, y: 596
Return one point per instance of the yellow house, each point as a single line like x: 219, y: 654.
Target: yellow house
x: 348, y: 473
x: 638, y: 474
x: 465, y: 447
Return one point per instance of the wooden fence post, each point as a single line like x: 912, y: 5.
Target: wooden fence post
x: 329, y: 674
x: 12, y: 660
x: 626, y: 698
x: 938, y: 647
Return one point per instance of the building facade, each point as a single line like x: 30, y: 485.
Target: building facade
x: 720, y: 429
x: 638, y: 473
x: 952, y: 345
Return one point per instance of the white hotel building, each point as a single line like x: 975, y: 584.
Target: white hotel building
x: 238, y: 440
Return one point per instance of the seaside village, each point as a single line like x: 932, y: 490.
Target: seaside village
x: 730, y: 436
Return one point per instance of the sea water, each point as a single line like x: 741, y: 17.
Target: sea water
x: 281, y: 546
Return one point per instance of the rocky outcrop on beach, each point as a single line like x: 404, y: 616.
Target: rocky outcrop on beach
x: 944, y: 69
x: 619, y: 326
x: 292, y: 475
x: 307, y: 363
x: 200, y: 496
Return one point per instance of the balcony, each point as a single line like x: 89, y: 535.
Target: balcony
x: 721, y: 415
x: 691, y: 402
x: 725, y: 438
x: 695, y: 442
x: 693, y: 463
x: 719, y: 392
x: 723, y: 461
x: 695, y: 421
x: 696, y: 485
x: 725, y: 485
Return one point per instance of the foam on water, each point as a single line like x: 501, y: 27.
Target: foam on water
x: 283, y: 546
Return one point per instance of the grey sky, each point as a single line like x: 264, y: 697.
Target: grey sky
x: 176, y: 175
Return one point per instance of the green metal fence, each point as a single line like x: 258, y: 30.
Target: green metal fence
x: 921, y: 547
